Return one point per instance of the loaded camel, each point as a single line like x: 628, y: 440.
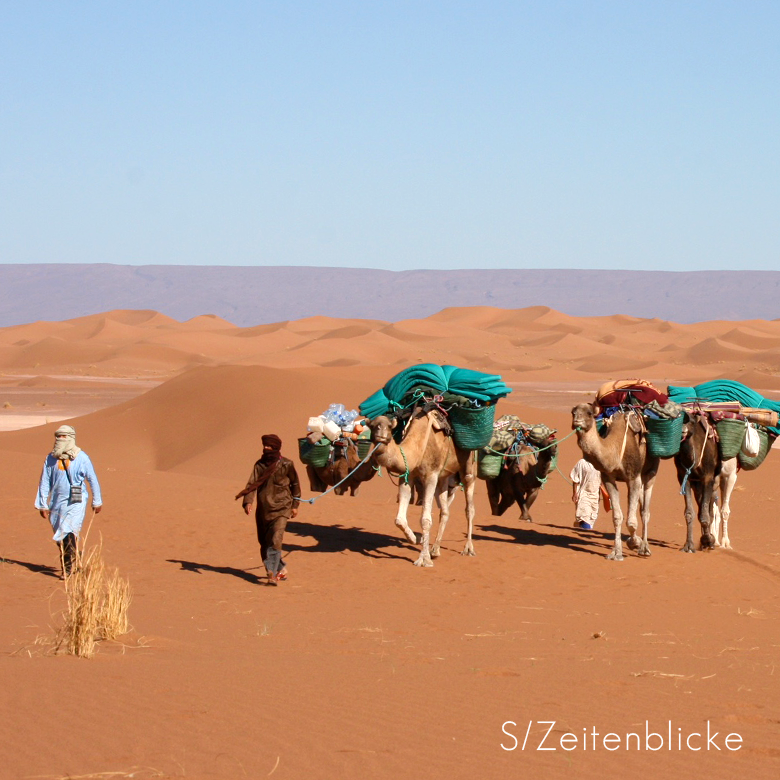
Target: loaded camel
x: 426, y: 456
x: 711, y: 480
x: 698, y: 468
x: 621, y: 456
x: 345, y: 459
x: 522, y: 479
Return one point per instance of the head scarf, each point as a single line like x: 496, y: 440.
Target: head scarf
x: 269, y: 459
x: 65, y: 449
x: 272, y: 440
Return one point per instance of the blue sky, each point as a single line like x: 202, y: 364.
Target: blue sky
x: 566, y: 134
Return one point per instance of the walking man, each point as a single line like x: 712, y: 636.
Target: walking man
x: 585, y: 495
x: 61, y: 496
x: 275, y: 482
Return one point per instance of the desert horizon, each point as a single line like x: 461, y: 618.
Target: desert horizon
x: 362, y: 665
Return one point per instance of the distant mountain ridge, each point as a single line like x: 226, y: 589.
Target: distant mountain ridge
x: 249, y: 295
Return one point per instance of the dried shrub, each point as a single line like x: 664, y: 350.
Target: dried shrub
x: 113, y: 620
x: 97, y: 605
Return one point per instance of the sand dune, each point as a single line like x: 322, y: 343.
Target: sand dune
x: 534, y: 339
x: 713, y: 350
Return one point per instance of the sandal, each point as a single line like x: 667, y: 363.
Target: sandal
x: 281, y: 576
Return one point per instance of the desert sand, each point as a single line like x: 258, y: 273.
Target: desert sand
x: 362, y: 665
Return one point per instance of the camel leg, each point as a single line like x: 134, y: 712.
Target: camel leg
x: 529, y: 502
x: 426, y: 522
x: 728, y: 478
x: 444, y: 498
x: 404, y: 496
x: 617, y: 519
x: 715, y: 522
x: 634, y: 491
x: 688, y: 546
x: 645, y: 496
x: 468, y: 478
x: 500, y: 493
x: 706, y: 495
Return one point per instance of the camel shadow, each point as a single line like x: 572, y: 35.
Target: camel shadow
x: 199, y: 568
x: 340, y: 538
x: 592, y: 542
x: 37, y: 568
x: 532, y: 535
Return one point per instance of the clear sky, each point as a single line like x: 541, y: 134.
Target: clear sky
x: 420, y: 134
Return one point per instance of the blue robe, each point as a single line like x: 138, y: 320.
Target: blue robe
x: 54, y: 491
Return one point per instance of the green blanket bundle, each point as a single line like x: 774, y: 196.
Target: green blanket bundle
x: 720, y: 390
x: 474, y: 385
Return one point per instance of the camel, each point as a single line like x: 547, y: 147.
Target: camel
x: 522, y: 479
x: 345, y: 460
x: 621, y: 456
x: 426, y: 456
x: 698, y: 469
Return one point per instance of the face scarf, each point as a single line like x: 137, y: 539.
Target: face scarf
x: 272, y: 449
x: 272, y: 454
x: 65, y: 448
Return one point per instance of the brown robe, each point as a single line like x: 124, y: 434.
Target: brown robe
x: 275, y: 502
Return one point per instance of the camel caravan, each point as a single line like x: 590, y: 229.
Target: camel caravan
x: 434, y: 429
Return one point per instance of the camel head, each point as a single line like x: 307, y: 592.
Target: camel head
x: 583, y: 416
x: 382, y: 428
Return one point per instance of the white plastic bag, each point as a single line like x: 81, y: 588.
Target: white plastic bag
x: 751, y: 444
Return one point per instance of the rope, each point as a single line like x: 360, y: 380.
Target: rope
x: 405, y: 475
x: 332, y: 488
x: 523, y: 454
x: 685, y: 479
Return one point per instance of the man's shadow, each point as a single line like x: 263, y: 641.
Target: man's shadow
x: 199, y: 568
x: 48, y: 571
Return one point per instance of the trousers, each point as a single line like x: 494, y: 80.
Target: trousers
x: 270, y: 534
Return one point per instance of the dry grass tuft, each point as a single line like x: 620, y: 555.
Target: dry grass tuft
x: 97, y: 606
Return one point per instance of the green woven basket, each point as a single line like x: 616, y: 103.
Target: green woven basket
x: 363, y: 448
x: 749, y: 463
x: 731, y: 434
x: 472, y: 428
x: 314, y: 454
x: 664, y: 436
x: 489, y: 465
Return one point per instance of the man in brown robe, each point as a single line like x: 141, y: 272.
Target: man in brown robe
x: 275, y: 482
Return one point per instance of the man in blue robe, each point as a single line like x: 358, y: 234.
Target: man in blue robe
x: 61, y: 496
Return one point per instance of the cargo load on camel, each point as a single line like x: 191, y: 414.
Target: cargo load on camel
x: 745, y: 422
x: 510, y: 436
x: 465, y: 398
x: 335, y: 446
x: 660, y: 419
